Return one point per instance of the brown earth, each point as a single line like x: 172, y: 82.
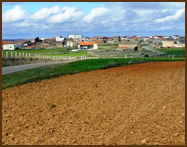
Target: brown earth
x: 136, y: 104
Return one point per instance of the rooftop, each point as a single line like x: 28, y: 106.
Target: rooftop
x: 7, y: 42
x: 86, y: 43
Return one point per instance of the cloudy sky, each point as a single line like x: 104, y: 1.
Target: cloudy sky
x: 48, y: 19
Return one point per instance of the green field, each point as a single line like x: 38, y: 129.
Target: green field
x: 172, y: 51
x: 48, y: 52
x: 108, y: 45
x: 83, y: 53
x: 53, y: 71
x: 38, y: 51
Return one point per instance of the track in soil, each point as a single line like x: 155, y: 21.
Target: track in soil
x: 136, y: 104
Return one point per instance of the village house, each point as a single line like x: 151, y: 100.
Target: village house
x: 101, y: 38
x: 9, y: 45
x: 74, y: 36
x: 59, y: 44
x: 99, y: 42
x: 165, y: 37
x: 32, y: 40
x: 157, y: 37
x: 70, y: 43
x: 60, y: 41
x: 175, y: 36
x: 182, y: 40
x: 51, y: 40
x: 59, y: 38
x: 125, y: 38
x: 136, y: 38
x: 173, y: 43
x: 145, y: 38
x: 116, y: 39
x: 88, y: 45
x: 110, y: 40
x: 95, y: 38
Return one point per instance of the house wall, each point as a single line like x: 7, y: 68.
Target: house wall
x: 73, y: 36
x: 8, y: 47
x: 126, y: 46
x: 110, y: 41
x: 116, y: 39
x: 11, y: 46
x: 175, y: 37
x: 70, y: 44
x: 171, y: 44
x: 58, y: 38
x: 179, y: 45
x: 95, y: 46
x: 129, y: 44
x: 59, y: 45
x: 86, y: 46
x: 167, y: 43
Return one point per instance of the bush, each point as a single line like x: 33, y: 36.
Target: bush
x: 135, y: 48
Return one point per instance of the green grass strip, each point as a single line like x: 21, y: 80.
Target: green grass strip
x: 53, y: 71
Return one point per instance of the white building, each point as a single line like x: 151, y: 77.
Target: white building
x: 11, y: 46
x: 175, y: 36
x: 74, y: 36
x: 59, y: 38
x: 145, y: 38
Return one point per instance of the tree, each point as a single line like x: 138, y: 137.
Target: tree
x: 105, y: 41
x: 135, y: 48
x: 37, y: 39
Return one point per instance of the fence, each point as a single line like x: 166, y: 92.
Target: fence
x: 6, y: 54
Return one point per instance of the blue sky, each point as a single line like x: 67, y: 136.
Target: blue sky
x: 48, y: 19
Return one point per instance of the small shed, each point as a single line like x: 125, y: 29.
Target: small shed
x: 11, y: 46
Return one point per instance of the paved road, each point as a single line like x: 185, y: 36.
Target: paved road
x: 18, y: 68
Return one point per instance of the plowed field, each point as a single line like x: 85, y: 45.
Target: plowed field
x: 136, y: 104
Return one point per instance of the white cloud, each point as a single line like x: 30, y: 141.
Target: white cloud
x: 69, y: 13
x: 95, y: 13
x: 23, y: 24
x: 13, y: 15
x: 164, y: 10
x: 143, y: 12
x: 46, y: 12
x: 173, y: 17
x: 57, y: 14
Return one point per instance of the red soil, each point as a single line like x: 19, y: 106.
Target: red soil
x: 136, y: 104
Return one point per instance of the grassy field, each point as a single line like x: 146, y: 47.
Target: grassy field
x: 172, y: 51
x: 108, y: 45
x: 53, y: 71
x: 80, y: 53
x: 49, y: 52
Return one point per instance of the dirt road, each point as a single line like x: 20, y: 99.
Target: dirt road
x: 136, y: 104
x: 18, y: 68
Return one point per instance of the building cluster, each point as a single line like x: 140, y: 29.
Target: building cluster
x: 80, y: 42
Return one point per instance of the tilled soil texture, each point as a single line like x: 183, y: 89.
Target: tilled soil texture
x: 136, y: 104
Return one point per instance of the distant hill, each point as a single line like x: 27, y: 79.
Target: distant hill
x: 12, y: 39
